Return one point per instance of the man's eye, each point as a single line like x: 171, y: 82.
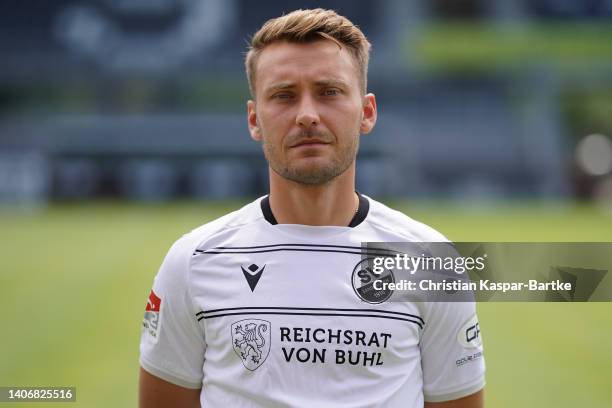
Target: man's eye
x: 282, y: 95
x: 331, y: 92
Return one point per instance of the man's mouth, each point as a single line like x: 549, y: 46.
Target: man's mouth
x: 310, y: 142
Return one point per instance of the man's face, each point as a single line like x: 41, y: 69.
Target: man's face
x: 309, y: 110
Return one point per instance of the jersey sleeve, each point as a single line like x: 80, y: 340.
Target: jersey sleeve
x: 451, y: 352
x: 172, y: 344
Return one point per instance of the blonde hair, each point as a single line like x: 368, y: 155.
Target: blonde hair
x: 303, y: 26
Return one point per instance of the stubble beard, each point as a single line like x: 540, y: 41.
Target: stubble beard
x: 313, y: 175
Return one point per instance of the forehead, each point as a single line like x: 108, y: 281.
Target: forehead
x: 292, y: 62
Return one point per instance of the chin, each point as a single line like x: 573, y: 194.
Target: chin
x: 311, y: 165
x: 312, y: 175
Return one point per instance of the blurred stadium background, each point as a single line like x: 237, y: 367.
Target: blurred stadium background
x: 122, y: 126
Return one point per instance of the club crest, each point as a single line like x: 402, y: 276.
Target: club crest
x: 363, y: 279
x: 251, y: 341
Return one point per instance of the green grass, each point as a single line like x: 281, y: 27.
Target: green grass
x: 467, y: 46
x: 74, y: 281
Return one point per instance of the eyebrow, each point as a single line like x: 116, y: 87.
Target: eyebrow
x: 321, y: 83
x: 280, y: 86
x: 332, y: 82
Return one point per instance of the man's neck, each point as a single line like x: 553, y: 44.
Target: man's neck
x: 334, y: 203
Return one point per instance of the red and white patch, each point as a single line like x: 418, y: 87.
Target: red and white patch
x: 151, y: 321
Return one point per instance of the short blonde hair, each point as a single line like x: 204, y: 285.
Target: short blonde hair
x: 303, y: 26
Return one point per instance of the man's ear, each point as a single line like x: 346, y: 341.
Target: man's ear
x: 253, y: 122
x: 369, y: 114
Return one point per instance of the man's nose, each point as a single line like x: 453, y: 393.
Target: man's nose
x: 307, y: 115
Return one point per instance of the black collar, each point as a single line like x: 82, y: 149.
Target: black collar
x: 360, y: 215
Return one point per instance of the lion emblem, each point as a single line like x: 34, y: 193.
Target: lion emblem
x: 251, y: 341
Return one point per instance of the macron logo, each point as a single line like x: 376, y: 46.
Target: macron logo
x: 252, y: 274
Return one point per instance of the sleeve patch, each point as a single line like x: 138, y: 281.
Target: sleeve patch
x: 469, y: 334
x: 151, y: 322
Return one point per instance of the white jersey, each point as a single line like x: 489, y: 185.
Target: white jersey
x: 260, y: 314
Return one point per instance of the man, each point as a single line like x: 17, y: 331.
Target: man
x: 256, y: 308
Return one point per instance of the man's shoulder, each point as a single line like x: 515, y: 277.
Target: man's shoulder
x: 232, y: 221
x: 386, y: 218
